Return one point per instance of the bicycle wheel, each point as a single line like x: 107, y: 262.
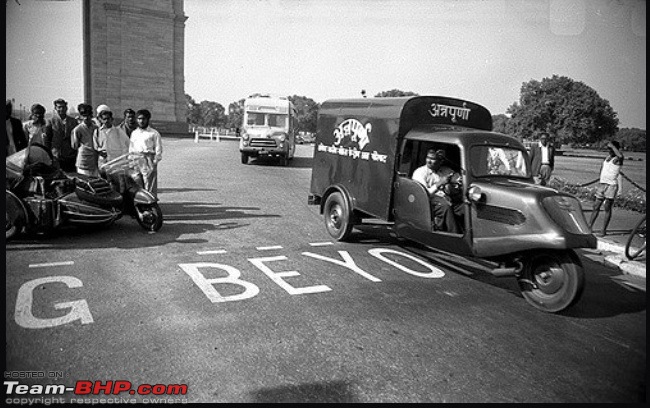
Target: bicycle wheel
x: 635, y: 244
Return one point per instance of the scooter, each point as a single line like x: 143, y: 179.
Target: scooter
x: 123, y: 175
x: 41, y: 198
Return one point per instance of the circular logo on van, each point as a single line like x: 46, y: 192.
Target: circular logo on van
x: 351, y: 132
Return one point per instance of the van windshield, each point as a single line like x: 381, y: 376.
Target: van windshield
x: 498, y: 161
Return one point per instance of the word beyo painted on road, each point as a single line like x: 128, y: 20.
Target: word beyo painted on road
x: 208, y: 285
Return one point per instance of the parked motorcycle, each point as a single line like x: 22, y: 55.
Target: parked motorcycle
x: 138, y: 202
x: 41, y: 198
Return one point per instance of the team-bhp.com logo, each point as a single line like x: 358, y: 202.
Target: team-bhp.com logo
x: 17, y: 393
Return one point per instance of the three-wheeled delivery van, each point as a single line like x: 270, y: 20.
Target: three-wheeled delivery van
x: 366, y: 151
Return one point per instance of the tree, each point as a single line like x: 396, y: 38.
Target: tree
x: 501, y: 123
x: 632, y: 139
x: 235, y: 114
x: 212, y: 114
x: 307, y: 112
x: 568, y: 110
x: 193, y: 115
x: 395, y: 92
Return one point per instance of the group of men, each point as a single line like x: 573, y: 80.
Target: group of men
x: 83, y: 144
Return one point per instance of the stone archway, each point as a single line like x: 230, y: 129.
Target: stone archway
x: 134, y: 58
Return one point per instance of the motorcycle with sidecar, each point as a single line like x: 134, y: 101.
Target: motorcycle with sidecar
x: 41, y: 198
x: 366, y: 152
x: 121, y: 172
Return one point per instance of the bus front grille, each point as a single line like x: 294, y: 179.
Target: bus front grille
x: 262, y: 143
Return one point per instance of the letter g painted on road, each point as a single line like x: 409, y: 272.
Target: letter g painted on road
x: 24, y: 317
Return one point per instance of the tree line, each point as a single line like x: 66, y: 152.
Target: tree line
x: 570, y: 111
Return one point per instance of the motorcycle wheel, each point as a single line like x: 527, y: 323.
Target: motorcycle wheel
x: 552, y: 281
x: 16, y: 217
x: 149, y: 217
x: 11, y: 228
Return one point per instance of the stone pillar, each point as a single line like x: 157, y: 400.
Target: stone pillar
x: 134, y: 58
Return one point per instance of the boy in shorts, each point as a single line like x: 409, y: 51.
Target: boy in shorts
x: 609, y: 185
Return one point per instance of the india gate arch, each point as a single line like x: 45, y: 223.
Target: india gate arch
x: 133, y: 57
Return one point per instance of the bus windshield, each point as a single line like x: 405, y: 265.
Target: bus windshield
x: 267, y: 119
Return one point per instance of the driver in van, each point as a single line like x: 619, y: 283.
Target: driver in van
x: 434, y: 177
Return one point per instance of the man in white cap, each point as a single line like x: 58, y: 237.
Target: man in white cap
x: 101, y: 108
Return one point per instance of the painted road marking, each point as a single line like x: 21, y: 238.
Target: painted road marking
x: 318, y: 244
x: 45, y: 265
x: 78, y: 308
x: 249, y: 290
x: 268, y: 248
x: 214, y: 252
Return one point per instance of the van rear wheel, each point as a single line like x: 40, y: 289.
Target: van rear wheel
x: 338, y: 217
x: 552, y: 280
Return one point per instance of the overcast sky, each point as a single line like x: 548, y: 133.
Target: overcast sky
x: 481, y: 50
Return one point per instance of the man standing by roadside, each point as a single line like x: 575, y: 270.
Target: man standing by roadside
x: 15, y: 135
x: 59, y: 134
x: 542, y: 158
x: 129, y: 124
x: 109, y: 141
x: 147, y: 141
x: 82, y: 139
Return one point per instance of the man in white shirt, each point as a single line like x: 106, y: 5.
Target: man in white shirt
x: 109, y: 141
x: 434, y: 176
x: 147, y: 141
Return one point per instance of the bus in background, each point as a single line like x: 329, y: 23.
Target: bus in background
x: 268, y: 128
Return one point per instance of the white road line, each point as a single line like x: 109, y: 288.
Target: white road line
x: 268, y: 248
x: 317, y: 244
x: 214, y: 252
x: 45, y: 265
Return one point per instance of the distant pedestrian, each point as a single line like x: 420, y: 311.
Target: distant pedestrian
x: 59, y: 136
x: 542, y: 158
x: 14, y: 132
x: 609, y: 185
x: 147, y: 141
x: 109, y: 141
x: 82, y: 140
x: 35, y: 128
x: 129, y: 124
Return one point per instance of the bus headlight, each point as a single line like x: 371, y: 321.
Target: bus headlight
x: 245, y: 137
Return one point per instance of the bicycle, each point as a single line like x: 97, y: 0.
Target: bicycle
x: 635, y: 244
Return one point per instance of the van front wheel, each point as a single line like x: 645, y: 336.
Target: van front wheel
x: 552, y: 280
x: 338, y: 217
